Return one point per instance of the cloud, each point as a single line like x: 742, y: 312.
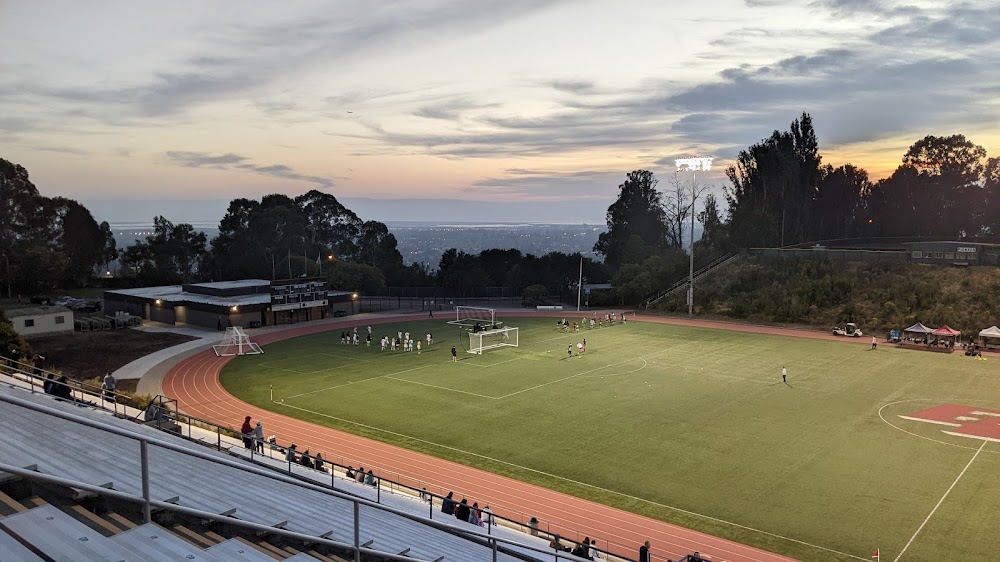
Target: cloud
x: 546, y: 185
x: 230, y: 161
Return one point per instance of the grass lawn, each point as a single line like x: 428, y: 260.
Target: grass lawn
x: 656, y: 417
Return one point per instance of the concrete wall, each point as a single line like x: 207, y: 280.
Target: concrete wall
x: 161, y: 314
x: 46, y: 323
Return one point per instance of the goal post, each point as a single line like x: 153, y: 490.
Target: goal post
x: 472, y: 315
x: 492, y: 339
x: 236, y: 342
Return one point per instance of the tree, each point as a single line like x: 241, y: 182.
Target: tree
x: 838, y: 212
x: 361, y: 277
x: 677, y: 208
x: 172, y: 254
x: 11, y: 344
x: 638, y: 212
x: 991, y: 189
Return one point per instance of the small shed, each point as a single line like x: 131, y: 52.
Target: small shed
x: 35, y: 320
x: 917, y: 332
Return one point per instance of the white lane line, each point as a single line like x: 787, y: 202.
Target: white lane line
x: 940, y: 501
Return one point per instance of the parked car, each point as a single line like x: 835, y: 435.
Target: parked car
x: 339, y: 313
x: 851, y: 330
x: 64, y: 301
x: 86, y: 305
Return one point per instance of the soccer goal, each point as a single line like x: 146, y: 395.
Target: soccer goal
x: 471, y: 315
x: 236, y: 342
x: 492, y: 339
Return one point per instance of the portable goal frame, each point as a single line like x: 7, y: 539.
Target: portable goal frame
x: 492, y: 339
x: 236, y: 342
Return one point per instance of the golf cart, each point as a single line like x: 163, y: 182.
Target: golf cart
x: 894, y: 336
x: 851, y: 330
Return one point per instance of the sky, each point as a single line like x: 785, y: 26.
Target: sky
x: 525, y: 103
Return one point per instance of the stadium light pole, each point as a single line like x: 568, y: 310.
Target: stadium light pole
x: 693, y: 164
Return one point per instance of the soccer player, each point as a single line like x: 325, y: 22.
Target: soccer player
x: 569, y: 350
x: 394, y: 344
x: 418, y: 347
x: 368, y: 338
x: 784, y: 374
x: 411, y: 345
x: 356, y: 340
x: 579, y: 349
x: 383, y: 342
x: 430, y: 338
x: 454, y: 354
x: 369, y: 329
x: 874, y: 342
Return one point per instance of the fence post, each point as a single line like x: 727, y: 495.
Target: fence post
x: 494, y: 541
x: 144, y: 458
x: 218, y: 438
x: 357, y: 532
x: 378, y: 490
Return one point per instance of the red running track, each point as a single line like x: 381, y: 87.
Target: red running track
x: 194, y: 382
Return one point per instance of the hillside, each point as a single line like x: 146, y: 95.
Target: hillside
x: 878, y: 296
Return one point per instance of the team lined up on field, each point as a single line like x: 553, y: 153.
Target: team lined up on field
x: 595, y: 321
x: 402, y: 340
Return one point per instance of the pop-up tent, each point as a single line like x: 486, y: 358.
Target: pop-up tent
x: 918, y: 331
x: 946, y: 333
x: 991, y: 332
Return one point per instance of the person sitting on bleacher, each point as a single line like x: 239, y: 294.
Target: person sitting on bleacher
x: 370, y: 478
x: 305, y: 460
x: 361, y: 475
x: 350, y: 473
x: 290, y: 456
x: 318, y: 462
x: 558, y: 545
x: 61, y: 389
x: 462, y: 511
x: 448, y: 504
x: 50, y: 382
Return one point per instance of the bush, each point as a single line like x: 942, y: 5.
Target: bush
x: 533, y: 295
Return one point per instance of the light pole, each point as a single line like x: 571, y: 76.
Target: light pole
x: 693, y: 164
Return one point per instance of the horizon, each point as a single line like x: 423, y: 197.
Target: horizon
x: 518, y: 103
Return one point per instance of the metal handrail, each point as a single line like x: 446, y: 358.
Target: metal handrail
x: 541, y: 527
x: 147, y: 502
x: 697, y: 275
x: 29, y: 376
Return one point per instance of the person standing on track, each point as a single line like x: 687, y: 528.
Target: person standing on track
x: 784, y: 375
x: 644, y: 555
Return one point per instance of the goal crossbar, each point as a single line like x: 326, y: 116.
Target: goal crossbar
x: 492, y: 339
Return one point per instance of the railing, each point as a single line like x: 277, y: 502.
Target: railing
x: 37, y: 378
x: 395, y: 482
x: 698, y: 275
x: 147, y: 503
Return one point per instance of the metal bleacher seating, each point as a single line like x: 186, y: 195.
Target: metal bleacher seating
x: 99, y: 457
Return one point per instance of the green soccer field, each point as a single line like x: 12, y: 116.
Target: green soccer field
x: 655, y: 418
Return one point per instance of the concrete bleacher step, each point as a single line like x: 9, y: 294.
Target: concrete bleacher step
x: 160, y: 545
x: 60, y: 537
x: 10, y: 549
x: 236, y: 550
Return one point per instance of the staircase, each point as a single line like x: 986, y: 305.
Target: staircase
x: 698, y: 276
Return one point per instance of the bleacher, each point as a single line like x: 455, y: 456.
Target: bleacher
x: 91, y: 455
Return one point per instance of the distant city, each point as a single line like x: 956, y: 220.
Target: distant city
x: 426, y: 241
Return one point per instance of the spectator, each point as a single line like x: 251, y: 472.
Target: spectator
x: 593, y: 553
x: 318, y: 462
x: 247, y: 431
x: 290, y: 455
x: 361, y: 475
x: 49, y: 383
x: 474, y: 514
x: 350, y: 473
x: 487, y: 515
x: 258, y: 437
x: 61, y: 389
x: 558, y: 545
x: 38, y: 361
x: 581, y: 549
x: 533, y: 525
x: 370, y: 478
x: 462, y: 511
x: 424, y: 495
x: 644, y: 555
x: 109, y: 385
x: 448, y: 504
x: 306, y: 460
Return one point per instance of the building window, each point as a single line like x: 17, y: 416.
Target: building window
x: 939, y: 255
x: 28, y: 323
x: 949, y: 255
x: 917, y: 255
x: 60, y: 319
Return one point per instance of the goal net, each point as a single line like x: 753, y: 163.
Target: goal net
x: 471, y: 315
x: 236, y: 342
x: 492, y: 339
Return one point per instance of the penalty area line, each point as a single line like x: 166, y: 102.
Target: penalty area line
x: 940, y: 501
x: 571, y: 481
x: 387, y: 375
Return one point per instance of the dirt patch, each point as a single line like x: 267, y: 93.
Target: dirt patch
x: 88, y: 355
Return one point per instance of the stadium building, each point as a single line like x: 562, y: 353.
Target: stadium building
x: 246, y: 302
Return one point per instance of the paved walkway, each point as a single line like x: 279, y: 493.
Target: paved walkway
x: 194, y: 382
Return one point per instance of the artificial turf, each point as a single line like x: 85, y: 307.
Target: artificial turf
x: 658, y: 418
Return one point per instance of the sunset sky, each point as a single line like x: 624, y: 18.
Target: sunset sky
x: 511, y: 100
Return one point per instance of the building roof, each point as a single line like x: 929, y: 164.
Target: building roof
x: 238, y: 284
x: 177, y: 295
x: 34, y: 310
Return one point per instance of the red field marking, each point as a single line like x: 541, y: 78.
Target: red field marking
x: 194, y: 382
x: 968, y: 421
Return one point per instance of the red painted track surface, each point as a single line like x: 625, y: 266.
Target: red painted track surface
x: 194, y: 382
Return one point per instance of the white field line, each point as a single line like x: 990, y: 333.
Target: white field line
x: 441, y: 387
x: 580, y: 374
x: 940, y: 501
x: 917, y: 435
x: 494, y: 364
x: 576, y: 482
x: 356, y: 382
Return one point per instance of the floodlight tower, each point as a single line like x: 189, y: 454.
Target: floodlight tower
x: 693, y: 164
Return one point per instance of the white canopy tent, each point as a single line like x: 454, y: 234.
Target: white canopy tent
x: 991, y: 332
